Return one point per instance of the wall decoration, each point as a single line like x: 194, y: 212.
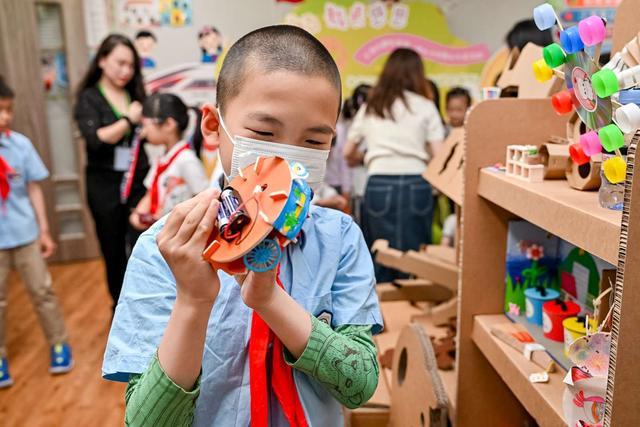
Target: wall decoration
x: 145, y: 41
x: 361, y: 35
x: 153, y: 13
x: 211, y: 44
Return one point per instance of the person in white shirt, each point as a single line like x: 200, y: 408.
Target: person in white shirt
x: 178, y: 174
x: 401, y: 129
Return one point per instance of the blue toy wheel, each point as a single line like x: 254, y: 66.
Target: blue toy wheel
x: 263, y: 257
x: 571, y: 41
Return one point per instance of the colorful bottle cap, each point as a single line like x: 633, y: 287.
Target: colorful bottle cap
x: 592, y: 30
x: 562, y: 102
x: 611, y: 137
x: 628, y: 118
x: 605, y: 83
x: 570, y: 40
x: 577, y: 154
x: 541, y: 71
x: 615, y: 169
x: 554, y: 55
x: 590, y: 143
x: 544, y: 16
x: 629, y: 96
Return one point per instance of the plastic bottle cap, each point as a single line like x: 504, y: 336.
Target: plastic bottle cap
x: 611, y: 137
x: 541, y: 71
x: 628, y: 118
x: 590, y: 143
x: 544, y: 16
x: 605, y: 83
x: 570, y: 40
x: 592, y: 30
x: 562, y: 102
x: 554, y: 55
x: 629, y: 96
x: 615, y: 169
x: 577, y: 155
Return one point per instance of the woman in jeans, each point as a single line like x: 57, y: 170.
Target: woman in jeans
x: 400, y: 128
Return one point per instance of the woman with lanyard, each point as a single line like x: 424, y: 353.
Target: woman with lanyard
x: 108, y: 111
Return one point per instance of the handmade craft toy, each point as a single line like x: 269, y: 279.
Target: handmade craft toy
x: 594, y: 93
x: 261, y: 212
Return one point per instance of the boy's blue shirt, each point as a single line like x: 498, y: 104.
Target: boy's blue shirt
x: 18, y: 223
x: 329, y: 271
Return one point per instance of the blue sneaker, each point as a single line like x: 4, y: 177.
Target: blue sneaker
x: 5, y: 378
x: 61, y: 360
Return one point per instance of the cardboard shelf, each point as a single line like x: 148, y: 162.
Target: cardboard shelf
x: 572, y: 215
x: 542, y: 401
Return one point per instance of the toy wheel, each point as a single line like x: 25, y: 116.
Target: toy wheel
x: 544, y: 16
x: 577, y: 154
x: 541, y: 71
x: 611, y: 137
x: 628, y: 118
x: 562, y: 102
x: 570, y: 40
x: 592, y: 30
x: 554, y: 55
x: 605, y: 83
x: 615, y: 170
x: 590, y: 143
x: 263, y: 257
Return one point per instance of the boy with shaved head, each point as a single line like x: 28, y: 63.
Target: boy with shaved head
x: 184, y: 336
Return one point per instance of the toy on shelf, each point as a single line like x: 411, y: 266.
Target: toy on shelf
x: 553, y: 314
x: 523, y: 161
x: 590, y: 91
x: 261, y: 212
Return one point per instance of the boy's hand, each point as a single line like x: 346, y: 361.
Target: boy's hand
x: 181, y: 243
x: 47, y: 245
x: 257, y: 288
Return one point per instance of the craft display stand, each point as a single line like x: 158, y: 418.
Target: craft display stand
x: 486, y: 366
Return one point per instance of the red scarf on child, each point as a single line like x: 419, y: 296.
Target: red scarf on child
x: 5, y: 173
x: 162, y: 167
x: 282, y: 381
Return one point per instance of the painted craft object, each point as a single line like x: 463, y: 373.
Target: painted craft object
x: 584, y: 397
x: 590, y: 91
x: 261, y: 212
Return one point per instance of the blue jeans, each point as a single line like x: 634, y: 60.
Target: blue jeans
x: 397, y: 208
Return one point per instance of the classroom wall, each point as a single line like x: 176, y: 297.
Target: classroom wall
x: 476, y: 21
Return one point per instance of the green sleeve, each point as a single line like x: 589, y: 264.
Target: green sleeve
x: 344, y: 361
x: 152, y: 399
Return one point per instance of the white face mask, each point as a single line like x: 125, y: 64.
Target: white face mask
x: 247, y: 150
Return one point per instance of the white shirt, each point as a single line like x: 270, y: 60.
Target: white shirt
x: 398, y: 146
x: 183, y: 179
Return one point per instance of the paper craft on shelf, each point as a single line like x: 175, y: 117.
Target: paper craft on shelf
x: 523, y: 161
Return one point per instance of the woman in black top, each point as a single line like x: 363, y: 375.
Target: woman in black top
x: 108, y: 110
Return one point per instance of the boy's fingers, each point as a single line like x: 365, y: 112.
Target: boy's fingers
x: 205, y: 227
x: 180, y: 212
x: 194, y: 217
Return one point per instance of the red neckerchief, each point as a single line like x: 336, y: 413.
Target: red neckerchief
x: 127, y: 178
x: 155, y: 193
x: 281, y: 376
x: 5, y: 173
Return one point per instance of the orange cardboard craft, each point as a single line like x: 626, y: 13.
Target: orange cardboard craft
x: 418, y: 397
x: 518, y: 74
x: 445, y: 169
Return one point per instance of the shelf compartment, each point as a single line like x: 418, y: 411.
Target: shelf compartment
x: 572, y: 215
x: 542, y: 401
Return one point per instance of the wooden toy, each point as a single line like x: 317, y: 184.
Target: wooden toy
x: 523, y: 161
x: 261, y: 212
x: 590, y: 90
